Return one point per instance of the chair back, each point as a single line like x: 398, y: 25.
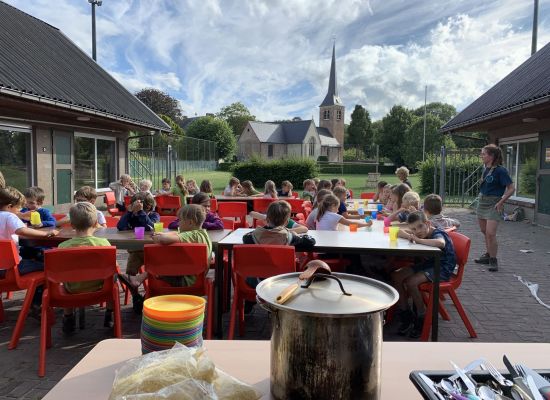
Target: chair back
x: 262, y: 261
x: 461, y: 244
x: 167, y: 219
x: 9, y: 258
x: 175, y: 260
x: 167, y: 201
x: 127, y: 201
x: 234, y: 209
x: 350, y: 193
x: 109, y: 199
x: 261, y: 205
x: 297, y: 205
x: 367, y: 195
x: 79, y: 264
x: 213, y: 204
x: 296, y: 195
x: 111, y: 221
x: 228, y: 224
x: 59, y: 217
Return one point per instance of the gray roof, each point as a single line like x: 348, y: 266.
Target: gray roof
x: 332, y: 97
x: 39, y: 63
x: 526, y: 86
x: 326, y: 138
x: 281, y: 132
x: 186, y: 122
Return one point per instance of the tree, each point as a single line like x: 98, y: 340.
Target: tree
x: 394, y: 126
x: 359, y: 131
x: 161, y: 103
x: 443, y: 111
x: 236, y: 115
x: 217, y: 130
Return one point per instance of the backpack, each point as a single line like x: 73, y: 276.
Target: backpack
x: 517, y: 215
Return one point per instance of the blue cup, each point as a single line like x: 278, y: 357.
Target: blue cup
x: 373, y: 214
x: 361, y: 211
x: 380, y: 207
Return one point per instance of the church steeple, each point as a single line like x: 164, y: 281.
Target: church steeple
x: 332, y: 98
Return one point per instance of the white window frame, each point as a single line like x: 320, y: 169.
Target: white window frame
x: 15, y: 127
x: 101, y: 137
x: 326, y: 115
x: 516, y: 140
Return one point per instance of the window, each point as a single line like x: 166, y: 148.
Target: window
x: 326, y: 114
x: 520, y: 159
x: 312, y: 147
x: 338, y: 115
x: 15, y: 156
x: 94, y: 161
x: 270, y: 150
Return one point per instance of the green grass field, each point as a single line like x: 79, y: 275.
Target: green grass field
x: 354, y: 182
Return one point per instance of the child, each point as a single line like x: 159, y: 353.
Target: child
x: 402, y: 174
x: 379, y: 191
x: 324, y: 184
x: 248, y: 190
x: 341, y: 192
x: 396, y: 198
x: 123, y: 187
x: 406, y: 280
x: 206, y: 187
x: 269, y: 191
x: 433, y: 205
x: 145, y: 186
x: 211, y: 222
x: 321, y: 194
x: 316, y: 182
x: 233, y: 188
x: 335, y: 182
x: 85, y: 193
x: 34, y: 198
x: 343, y: 184
x: 291, y: 225
x: 166, y: 188
x: 409, y: 203
x: 180, y: 189
x: 11, y: 201
x: 309, y: 190
x: 328, y: 219
x: 192, y: 187
x: 286, y: 189
x: 191, y: 217
x: 83, y: 217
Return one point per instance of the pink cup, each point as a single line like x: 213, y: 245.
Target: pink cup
x: 139, y: 231
x: 387, y: 221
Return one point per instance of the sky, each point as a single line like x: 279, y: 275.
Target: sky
x: 274, y: 55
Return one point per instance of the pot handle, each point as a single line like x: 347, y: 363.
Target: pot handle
x: 313, y: 277
x: 264, y: 304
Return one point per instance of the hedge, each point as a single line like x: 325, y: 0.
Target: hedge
x: 295, y: 170
x: 225, y: 166
x: 457, y: 171
x: 357, y: 169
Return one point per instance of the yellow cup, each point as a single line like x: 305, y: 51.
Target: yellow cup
x: 353, y: 228
x: 159, y: 226
x: 35, y: 218
x: 393, y: 233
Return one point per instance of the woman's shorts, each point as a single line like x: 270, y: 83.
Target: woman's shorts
x: 486, y: 208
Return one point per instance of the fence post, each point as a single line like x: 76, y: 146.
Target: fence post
x: 377, y: 157
x: 442, y: 174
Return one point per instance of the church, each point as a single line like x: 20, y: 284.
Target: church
x: 275, y: 140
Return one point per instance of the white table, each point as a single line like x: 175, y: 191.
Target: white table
x: 93, y: 376
x: 371, y: 240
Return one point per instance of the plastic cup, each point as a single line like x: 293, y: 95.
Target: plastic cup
x: 387, y: 221
x: 139, y: 232
x: 361, y: 211
x: 373, y: 214
x: 159, y: 226
x: 355, y: 205
x: 386, y: 229
x: 393, y: 233
x: 367, y: 218
x: 35, y: 218
x: 380, y: 207
x: 353, y: 228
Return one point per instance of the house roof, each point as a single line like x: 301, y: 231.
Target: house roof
x: 291, y: 132
x: 186, y: 122
x: 526, y: 86
x: 326, y: 138
x: 39, y: 63
x: 332, y: 97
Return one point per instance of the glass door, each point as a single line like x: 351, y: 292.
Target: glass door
x: 543, y: 181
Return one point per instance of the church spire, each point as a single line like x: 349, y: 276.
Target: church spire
x: 332, y: 97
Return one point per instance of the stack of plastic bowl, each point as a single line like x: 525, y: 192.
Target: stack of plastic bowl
x: 169, y: 319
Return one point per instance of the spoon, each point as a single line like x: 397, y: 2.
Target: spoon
x: 486, y: 393
x: 448, y: 387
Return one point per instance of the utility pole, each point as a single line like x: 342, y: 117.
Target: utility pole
x: 424, y: 137
x: 94, y: 3
x: 535, y: 27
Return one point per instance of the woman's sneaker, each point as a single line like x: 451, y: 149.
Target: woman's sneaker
x: 484, y: 259
x: 493, y: 264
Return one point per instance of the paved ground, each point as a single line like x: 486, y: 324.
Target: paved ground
x: 499, y: 306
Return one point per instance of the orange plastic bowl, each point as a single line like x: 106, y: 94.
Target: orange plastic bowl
x: 174, y: 307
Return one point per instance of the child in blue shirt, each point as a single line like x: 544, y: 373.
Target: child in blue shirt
x: 406, y: 280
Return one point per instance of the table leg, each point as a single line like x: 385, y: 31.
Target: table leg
x: 227, y: 300
x: 219, y: 291
x: 435, y: 297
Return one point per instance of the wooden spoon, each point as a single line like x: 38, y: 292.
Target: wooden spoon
x: 312, y: 267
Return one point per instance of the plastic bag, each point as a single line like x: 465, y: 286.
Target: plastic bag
x: 179, y: 373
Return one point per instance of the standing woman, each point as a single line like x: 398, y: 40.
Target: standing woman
x: 496, y: 186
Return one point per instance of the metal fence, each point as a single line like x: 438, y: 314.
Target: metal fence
x: 180, y: 157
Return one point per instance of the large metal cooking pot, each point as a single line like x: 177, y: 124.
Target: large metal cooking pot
x: 326, y: 344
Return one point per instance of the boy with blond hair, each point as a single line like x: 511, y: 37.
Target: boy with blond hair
x: 433, y: 206
x: 88, y: 194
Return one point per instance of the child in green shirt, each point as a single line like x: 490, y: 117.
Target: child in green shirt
x: 83, y: 216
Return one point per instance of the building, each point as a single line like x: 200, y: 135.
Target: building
x: 275, y: 140
x: 64, y: 121
x: 516, y: 115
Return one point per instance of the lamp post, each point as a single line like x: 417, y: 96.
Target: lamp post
x: 535, y: 27
x: 94, y: 3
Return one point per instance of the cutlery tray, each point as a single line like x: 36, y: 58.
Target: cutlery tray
x: 476, y: 375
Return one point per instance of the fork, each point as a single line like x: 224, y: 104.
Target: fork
x: 495, y: 373
x: 529, y: 381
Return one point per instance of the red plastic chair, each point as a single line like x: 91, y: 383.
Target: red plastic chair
x: 367, y: 195
x: 261, y: 205
x: 180, y: 259
x: 59, y: 217
x: 167, y: 219
x: 127, y: 201
x: 213, y: 205
x: 168, y: 205
x: 9, y: 258
x: 254, y: 260
x: 234, y: 210
x: 228, y: 224
x: 461, y: 245
x: 350, y: 193
x: 110, y: 201
x: 111, y: 221
x: 77, y: 264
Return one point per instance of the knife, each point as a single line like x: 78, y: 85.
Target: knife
x: 518, y: 380
x: 467, y: 381
x: 431, y: 385
x: 468, y: 368
x: 541, y: 383
x: 533, y: 388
